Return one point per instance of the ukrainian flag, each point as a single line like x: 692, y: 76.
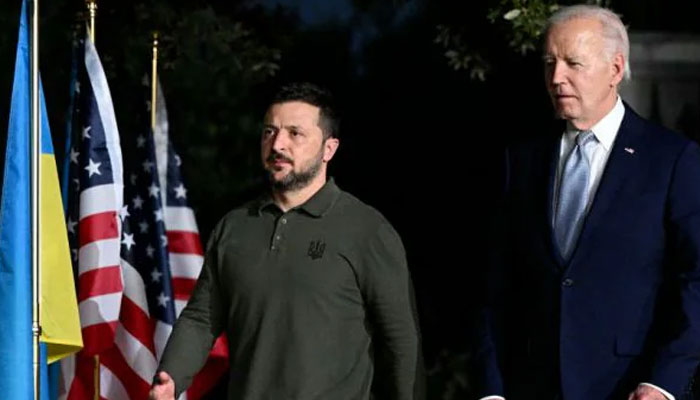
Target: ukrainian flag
x: 59, y: 311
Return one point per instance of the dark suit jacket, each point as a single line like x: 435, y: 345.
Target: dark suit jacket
x: 625, y: 308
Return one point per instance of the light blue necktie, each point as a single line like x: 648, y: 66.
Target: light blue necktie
x: 573, y: 194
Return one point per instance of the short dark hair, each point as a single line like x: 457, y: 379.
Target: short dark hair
x: 312, y: 94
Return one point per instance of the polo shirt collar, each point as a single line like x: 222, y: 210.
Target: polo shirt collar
x: 317, y: 206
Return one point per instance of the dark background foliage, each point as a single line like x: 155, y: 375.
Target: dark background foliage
x: 429, y: 91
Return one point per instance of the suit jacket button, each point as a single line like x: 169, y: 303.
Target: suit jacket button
x: 567, y: 282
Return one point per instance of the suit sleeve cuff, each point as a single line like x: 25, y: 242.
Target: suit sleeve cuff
x: 666, y: 394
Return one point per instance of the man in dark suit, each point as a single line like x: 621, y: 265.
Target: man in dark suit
x: 597, y: 291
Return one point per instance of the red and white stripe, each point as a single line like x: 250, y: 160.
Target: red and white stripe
x: 186, y: 254
x: 100, y: 283
x: 128, y: 369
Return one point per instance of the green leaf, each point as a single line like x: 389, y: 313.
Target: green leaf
x: 512, y: 14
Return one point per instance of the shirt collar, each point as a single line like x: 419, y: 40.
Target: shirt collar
x: 606, y: 129
x: 317, y: 206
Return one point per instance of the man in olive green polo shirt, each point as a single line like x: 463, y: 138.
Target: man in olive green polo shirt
x: 310, y: 284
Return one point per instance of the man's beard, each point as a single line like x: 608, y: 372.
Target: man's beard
x: 295, y: 181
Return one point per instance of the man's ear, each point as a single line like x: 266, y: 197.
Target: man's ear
x: 330, y: 146
x: 618, y: 69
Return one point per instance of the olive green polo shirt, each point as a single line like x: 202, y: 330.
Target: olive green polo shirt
x: 305, y: 298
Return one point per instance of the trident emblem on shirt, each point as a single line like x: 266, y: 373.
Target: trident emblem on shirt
x: 316, y: 249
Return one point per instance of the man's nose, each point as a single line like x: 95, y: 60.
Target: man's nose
x: 280, y: 141
x: 557, y: 74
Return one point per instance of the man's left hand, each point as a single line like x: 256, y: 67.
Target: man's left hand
x: 645, y: 392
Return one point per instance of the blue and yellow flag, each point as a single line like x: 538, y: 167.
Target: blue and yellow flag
x: 59, y: 311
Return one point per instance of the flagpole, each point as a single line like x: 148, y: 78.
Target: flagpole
x: 92, y: 8
x: 154, y: 82
x: 35, y: 172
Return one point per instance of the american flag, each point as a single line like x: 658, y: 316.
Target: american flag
x: 95, y: 199
x: 148, y: 311
x: 156, y: 234
x: 161, y: 259
x: 184, y: 244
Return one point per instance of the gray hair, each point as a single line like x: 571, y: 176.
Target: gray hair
x: 614, y: 31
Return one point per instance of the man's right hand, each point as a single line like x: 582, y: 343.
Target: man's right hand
x: 163, y: 389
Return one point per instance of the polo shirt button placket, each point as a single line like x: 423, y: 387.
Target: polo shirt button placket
x: 277, y: 235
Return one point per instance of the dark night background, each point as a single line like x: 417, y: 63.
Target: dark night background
x: 421, y: 141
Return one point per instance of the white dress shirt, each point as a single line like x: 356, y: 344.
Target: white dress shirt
x: 605, y: 132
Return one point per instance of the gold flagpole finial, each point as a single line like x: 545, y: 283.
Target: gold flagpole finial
x: 92, y: 9
x: 154, y: 82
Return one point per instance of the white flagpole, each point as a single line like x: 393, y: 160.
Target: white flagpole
x: 35, y: 156
x: 154, y: 83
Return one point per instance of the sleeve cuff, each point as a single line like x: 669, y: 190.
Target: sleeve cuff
x: 668, y: 395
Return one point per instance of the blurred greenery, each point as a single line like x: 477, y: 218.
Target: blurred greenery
x: 527, y: 21
x: 210, y: 63
x: 521, y: 22
x: 448, y: 378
